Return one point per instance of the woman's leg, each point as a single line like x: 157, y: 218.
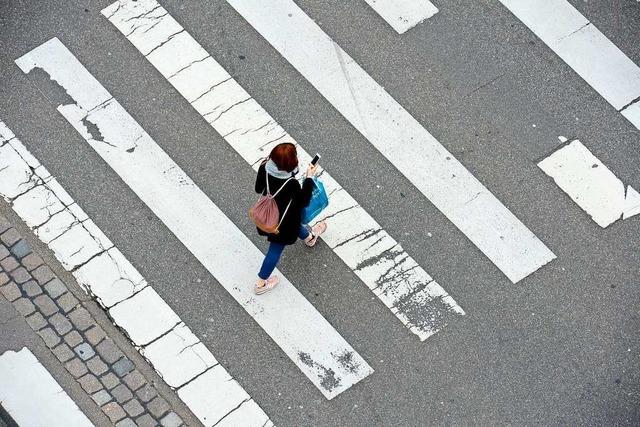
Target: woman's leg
x: 303, y: 233
x: 271, y: 260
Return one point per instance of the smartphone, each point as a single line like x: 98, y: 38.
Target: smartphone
x: 315, y: 159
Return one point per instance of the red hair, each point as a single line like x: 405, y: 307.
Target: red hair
x: 285, y: 156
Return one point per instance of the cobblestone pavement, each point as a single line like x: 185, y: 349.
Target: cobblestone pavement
x: 76, y: 338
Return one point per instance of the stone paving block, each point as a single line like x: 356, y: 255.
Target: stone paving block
x: 46, y: 305
x: 63, y: 352
x: 43, y: 274
x: 110, y: 380
x: 81, y: 318
x: 9, y: 264
x: 4, y: 224
x: 127, y: 422
x: 24, y: 306
x: 55, y: 288
x: 134, y: 380
x: 31, y: 288
x: 31, y: 261
x: 90, y: 383
x: 36, y: 321
x: 101, y: 397
x: 109, y: 352
x: 11, y: 291
x: 3, y: 276
x: 146, y: 393
x: 158, y: 407
x: 4, y: 252
x: 122, y: 367
x: 171, y: 420
x: 51, y: 339
x: 95, y: 335
x: 146, y: 421
x: 20, y: 249
x: 97, y: 366
x: 85, y: 351
x: 60, y: 323
x: 67, y: 302
x: 114, y: 412
x: 133, y: 408
x: 73, y: 338
x: 76, y: 367
x: 20, y: 275
x: 121, y: 393
x: 10, y: 237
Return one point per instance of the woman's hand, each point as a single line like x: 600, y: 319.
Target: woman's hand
x: 311, y: 170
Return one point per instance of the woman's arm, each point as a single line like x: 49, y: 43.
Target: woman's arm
x: 306, y: 192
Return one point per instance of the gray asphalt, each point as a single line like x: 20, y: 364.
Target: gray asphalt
x: 560, y: 347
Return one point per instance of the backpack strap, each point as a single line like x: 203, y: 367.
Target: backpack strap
x: 266, y: 177
x: 285, y: 212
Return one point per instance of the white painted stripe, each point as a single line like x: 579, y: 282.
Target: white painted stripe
x: 115, y: 283
x: 585, y: 49
x: 403, y: 15
x: 415, y: 298
x: 591, y: 184
x: 513, y: 248
x: 32, y: 397
x: 293, y: 323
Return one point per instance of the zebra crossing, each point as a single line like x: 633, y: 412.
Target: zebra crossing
x: 313, y: 344
x: 374, y: 256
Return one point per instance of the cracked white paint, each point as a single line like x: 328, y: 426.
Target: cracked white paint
x: 209, y: 401
x: 591, y: 184
x: 32, y: 397
x: 355, y: 236
x: 31, y: 208
x: 55, y: 226
x: 285, y: 314
x: 75, y: 247
x: 403, y: 15
x: 108, y: 276
x: 585, y: 49
x: 144, y: 316
x: 180, y: 356
x: 468, y: 204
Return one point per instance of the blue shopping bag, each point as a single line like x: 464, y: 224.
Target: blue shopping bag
x: 319, y: 201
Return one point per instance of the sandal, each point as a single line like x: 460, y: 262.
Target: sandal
x: 267, y: 285
x: 316, y: 231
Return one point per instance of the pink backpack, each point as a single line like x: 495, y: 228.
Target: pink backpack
x: 265, y: 213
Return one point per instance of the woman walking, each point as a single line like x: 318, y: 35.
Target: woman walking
x: 276, y: 176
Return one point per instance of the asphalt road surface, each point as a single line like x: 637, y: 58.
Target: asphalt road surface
x: 559, y: 346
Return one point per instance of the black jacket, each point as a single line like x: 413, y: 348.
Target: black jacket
x: 299, y: 196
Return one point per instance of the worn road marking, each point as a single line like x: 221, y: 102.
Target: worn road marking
x: 32, y: 397
x: 374, y: 256
x: 285, y: 314
x: 591, y: 184
x: 103, y: 271
x: 512, y: 247
x: 403, y: 15
x: 585, y: 49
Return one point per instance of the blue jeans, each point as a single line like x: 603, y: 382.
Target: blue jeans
x: 274, y: 253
